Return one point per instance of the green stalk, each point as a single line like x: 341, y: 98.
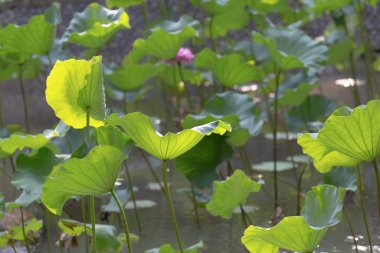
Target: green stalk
x: 185, y: 87
x: 23, y: 95
x: 170, y: 204
x: 47, y: 220
x: 84, y: 217
x: 60, y: 244
x: 145, y: 13
x: 351, y: 228
x: 23, y: 230
x: 275, y: 119
x: 243, y: 219
x: 92, y: 214
x: 164, y: 12
x: 195, y: 205
x: 137, y: 214
x: 12, y: 246
x: 299, y: 182
x: 362, y: 207
x: 376, y: 168
x: 124, y: 218
x: 151, y: 170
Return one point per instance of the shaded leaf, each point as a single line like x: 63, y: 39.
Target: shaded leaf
x: 123, y: 3
x: 93, y: 175
x: 342, y: 177
x: 167, y: 248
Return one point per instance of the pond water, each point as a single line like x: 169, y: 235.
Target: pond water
x: 223, y: 236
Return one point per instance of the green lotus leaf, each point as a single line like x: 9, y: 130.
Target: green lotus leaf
x: 318, y: 7
x: 229, y: 70
x: 295, y: 89
x: 339, y: 52
x: 35, y: 37
x: 234, y: 18
x: 75, y: 87
x: 140, y: 128
x: 291, y: 48
x: 30, y: 174
x: 323, y: 206
x: 95, y: 26
x: 15, y: 232
x: 314, y: 108
x: 200, y: 168
x: 230, y: 193
x: 176, y: 27
x: 342, y: 177
x: 237, y: 109
x: 112, y: 136
x: 2, y: 205
x: 162, y: 44
x: 53, y: 14
x: 123, y: 3
x: 9, y: 146
x: 354, y: 133
x: 269, y: 166
x: 95, y: 174
x: 292, y: 233
x: 167, y: 248
x: 324, y: 157
x: 214, y: 7
x: 132, y: 77
x: 106, y: 238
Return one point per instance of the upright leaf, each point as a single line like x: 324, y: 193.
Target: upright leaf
x: 75, y: 87
x: 230, y: 193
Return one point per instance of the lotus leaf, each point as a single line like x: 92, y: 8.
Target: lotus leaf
x: 230, y: 193
x: 140, y: 128
x: 95, y: 174
x: 75, y: 87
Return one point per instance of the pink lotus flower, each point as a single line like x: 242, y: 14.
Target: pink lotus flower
x: 184, y: 55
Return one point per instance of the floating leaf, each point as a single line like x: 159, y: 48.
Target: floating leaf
x: 269, y: 166
x: 140, y: 128
x: 324, y: 157
x: 342, y: 177
x: 106, y: 237
x: 354, y: 133
x: 132, y: 77
x: 229, y: 70
x: 95, y: 26
x: 292, y: 233
x: 93, y: 175
x: 323, y: 206
x: 141, y: 203
x: 200, y: 168
x: 75, y: 87
x: 167, y: 248
x: 230, y: 193
x: 30, y: 175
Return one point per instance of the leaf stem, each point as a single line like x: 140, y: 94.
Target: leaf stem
x: 170, y: 204
x: 145, y: 12
x: 93, y: 230
x: 351, y: 228
x: 164, y: 12
x: 60, y: 243
x: 299, y: 186
x: 362, y: 207
x: 188, y: 98
x: 12, y: 246
x: 23, y: 95
x: 88, y: 126
x: 275, y: 119
x: 376, y: 168
x: 23, y: 230
x: 195, y: 205
x: 47, y: 220
x: 124, y: 218
x: 130, y: 187
x: 84, y: 217
x: 151, y: 170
